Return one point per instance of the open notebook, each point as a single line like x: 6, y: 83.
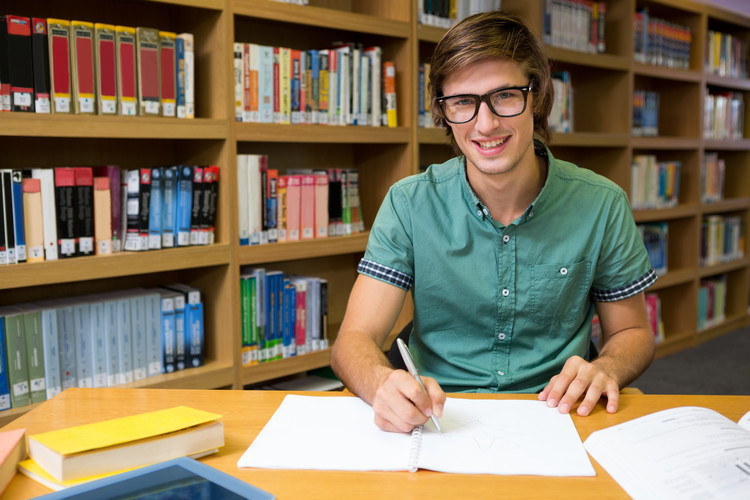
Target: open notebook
x: 480, y: 436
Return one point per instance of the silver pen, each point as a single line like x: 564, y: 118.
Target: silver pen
x: 409, y: 361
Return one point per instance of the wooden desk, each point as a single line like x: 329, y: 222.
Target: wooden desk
x: 246, y: 412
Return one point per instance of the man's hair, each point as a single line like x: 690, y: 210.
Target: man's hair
x: 487, y: 36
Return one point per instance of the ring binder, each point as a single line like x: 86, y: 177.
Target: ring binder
x: 414, y: 448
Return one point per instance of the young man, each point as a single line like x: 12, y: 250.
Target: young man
x: 507, y: 251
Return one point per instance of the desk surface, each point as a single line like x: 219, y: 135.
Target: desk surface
x: 246, y: 412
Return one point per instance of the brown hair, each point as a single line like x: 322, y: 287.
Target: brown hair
x: 493, y: 35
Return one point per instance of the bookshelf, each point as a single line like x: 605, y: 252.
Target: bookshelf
x: 602, y: 141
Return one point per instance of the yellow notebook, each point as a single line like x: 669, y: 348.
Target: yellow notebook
x: 126, y: 442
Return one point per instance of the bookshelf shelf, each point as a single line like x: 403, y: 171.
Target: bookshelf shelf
x: 727, y: 205
x: 662, y: 143
x: 679, y: 75
x: 674, y: 277
x: 285, y: 367
x: 325, y: 247
x: 113, y: 266
x: 729, y: 83
x: 260, y: 132
x: 601, y: 61
x: 210, y: 376
x: 333, y: 19
x: 678, y: 212
x: 110, y: 127
x: 590, y: 139
x: 724, y: 267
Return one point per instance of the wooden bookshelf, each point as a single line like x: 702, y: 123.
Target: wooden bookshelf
x: 602, y: 141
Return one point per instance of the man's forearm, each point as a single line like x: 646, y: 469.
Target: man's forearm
x: 626, y: 355
x: 360, y: 364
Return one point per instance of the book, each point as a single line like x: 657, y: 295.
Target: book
x: 188, y: 43
x: 112, y: 172
x: 20, y: 63
x: 180, y: 77
x: 196, y: 205
x: 40, y: 56
x: 32, y: 326
x: 472, y: 441
x: 184, y: 204
x: 65, y: 204
x: 169, y: 207
x: 51, y: 346
x: 194, y: 344
x: 82, y: 65
x: 210, y: 204
x: 6, y: 216
x: 293, y: 200
x: 15, y: 341
x: 106, y: 68
x: 677, y: 453
x: 390, y: 117
x: 16, y: 180
x: 84, y: 210
x: 126, y: 442
x: 321, y: 204
x: 181, y: 477
x: 5, y: 387
x: 307, y: 207
x: 148, y: 67
x: 32, y: 200
x: 4, y: 71
x: 127, y: 97
x: 168, y: 75
x: 49, y: 210
x: 12, y: 451
x: 103, y: 218
x: 155, y: 208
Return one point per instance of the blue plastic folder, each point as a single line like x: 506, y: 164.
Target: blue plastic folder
x: 178, y: 478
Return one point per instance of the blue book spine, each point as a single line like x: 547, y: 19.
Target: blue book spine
x: 169, y: 207
x: 290, y: 309
x: 180, y: 331
x: 265, y: 83
x: 168, y: 333
x: 4, y: 383
x: 17, y: 189
x: 180, y: 72
x: 184, y: 204
x: 313, y: 93
x: 194, y: 325
x: 154, y: 213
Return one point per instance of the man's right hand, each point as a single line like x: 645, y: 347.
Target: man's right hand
x: 400, y: 404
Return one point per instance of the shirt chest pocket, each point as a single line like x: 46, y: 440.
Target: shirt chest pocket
x: 559, y: 294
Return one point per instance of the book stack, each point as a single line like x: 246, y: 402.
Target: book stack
x: 282, y: 315
x: 712, y: 178
x: 341, y: 85
x: 51, y: 213
x: 653, y: 183
x: 71, y: 456
x: 726, y: 55
x: 645, y: 113
x: 712, y: 294
x: 296, y: 204
x: 723, y: 115
x: 722, y: 239
x: 575, y: 24
x: 659, y: 42
x: 64, y: 66
x: 446, y: 14
x: 97, y: 341
x: 655, y: 236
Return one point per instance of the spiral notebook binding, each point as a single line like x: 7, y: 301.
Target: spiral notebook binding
x: 415, y: 448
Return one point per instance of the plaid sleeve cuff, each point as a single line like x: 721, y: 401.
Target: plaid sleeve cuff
x: 387, y: 274
x: 627, y: 291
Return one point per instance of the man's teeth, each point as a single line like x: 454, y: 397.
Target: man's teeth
x: 491, y: 144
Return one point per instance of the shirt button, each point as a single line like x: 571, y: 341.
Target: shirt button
x: 564, y: 271
x: 506, y: 292
x: 506, y: 238
x: 501, y: 336
x: 484, y: 210
x: 479, y: 213
x: 500, y: 373
x: 531, y: 214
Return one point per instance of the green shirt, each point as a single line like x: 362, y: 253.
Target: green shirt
x: 501, y: 308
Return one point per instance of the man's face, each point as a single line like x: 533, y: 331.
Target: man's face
x: 492, y: 144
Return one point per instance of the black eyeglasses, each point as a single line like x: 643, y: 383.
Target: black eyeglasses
x: 505, y: 103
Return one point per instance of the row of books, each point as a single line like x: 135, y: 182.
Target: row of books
x: 347, y: 84
x: 723, y: 115
x: 726, y: 55
x: 713, y: 170
x: 61, y: 66
x: 655, y: 236
x: 97, y: 341
x: 660, y: 42
x: 645, y: 113
x: 51, y: 213
x: 282, y: 315
x: 653, y: 183
x: 561, y: 116
x: 722, y: 239
x: 446, y: 13
x: 712, y: 299
x: 575, y: 24
x: 296, y: 204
